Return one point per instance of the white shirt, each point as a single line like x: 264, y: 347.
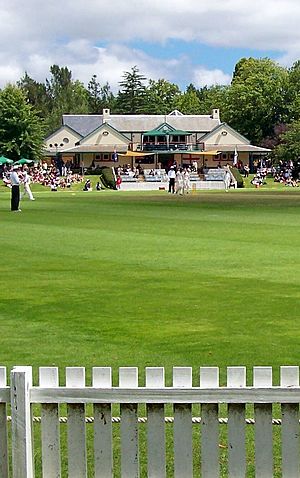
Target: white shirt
x: 171, y: 174
x: 14, y: 178
x: 26, y: 178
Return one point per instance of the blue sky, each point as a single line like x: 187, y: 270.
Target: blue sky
x: 183, y: 41
x: 196, y: 53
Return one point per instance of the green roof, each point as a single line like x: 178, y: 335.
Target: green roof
x: 166, y: 130
x: 159, y: 132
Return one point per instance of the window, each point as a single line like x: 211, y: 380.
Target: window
x: 66, y: 140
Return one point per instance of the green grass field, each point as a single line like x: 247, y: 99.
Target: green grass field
x: 148, y: 279
x: 119, y: 279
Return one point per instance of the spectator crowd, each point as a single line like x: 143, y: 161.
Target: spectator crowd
x: 48, y: 175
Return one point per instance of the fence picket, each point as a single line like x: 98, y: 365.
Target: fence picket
x: 236, y: 377
x: 128, y: 378
x: 156, y: 446
x: 51, y: 465
x: 209, y: 378
x: 103, y: 451
x: 3, y: 429
x: 289, y: 377
x: 262, y: 378
x: 77, y: 466
x: 22, y: 456
x: 183, y: 444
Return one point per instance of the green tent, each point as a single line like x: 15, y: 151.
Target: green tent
x: 4, y: 160
x: 24, y: 161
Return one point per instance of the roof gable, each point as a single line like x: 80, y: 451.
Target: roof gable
x: 224, y: 134
x: 101, y: 133
x: 62, y: 128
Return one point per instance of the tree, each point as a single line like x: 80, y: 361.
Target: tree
x: 131, y: 97
x: 66, y: 96
x: 36, y: 94
x: 99, y: 96
x: 256, y: 99
x: 189, y: 104
x: 289, y: 148
x: 214, y: 97
x: 21, y: 129
x: 161, y: 97
x: 294, y: 92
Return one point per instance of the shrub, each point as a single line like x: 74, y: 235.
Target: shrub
x: 238, y: 177
x: 107, y: 177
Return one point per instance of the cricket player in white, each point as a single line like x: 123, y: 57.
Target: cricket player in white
x: 27, y: 190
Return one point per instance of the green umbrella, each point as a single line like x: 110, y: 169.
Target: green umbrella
x: 24, y: 161
x: 4, y: 160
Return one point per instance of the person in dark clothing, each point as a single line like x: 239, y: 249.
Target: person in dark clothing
x: 15, y: 190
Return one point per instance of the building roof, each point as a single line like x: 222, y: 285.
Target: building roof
x: 85, y: 124
x: 96, y: 148
x: 241, y: 148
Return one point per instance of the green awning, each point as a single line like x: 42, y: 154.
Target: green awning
x: 161, y: 132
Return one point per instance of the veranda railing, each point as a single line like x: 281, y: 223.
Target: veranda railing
x: 21, y: 395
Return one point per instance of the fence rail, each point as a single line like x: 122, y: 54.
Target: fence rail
x: 22, y: 395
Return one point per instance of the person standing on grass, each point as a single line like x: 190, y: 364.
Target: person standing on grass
x: 171, y: 177
x: 179, y: 182
x: 26, y: 182
x: 227, y: 180
x: 15, y: 189
x: 186, y: 182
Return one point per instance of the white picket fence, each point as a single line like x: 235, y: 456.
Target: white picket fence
x: 21, y: 395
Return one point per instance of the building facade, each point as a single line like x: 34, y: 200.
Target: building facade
x: 149, y: 140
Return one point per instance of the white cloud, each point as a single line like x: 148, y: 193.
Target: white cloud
x: 95, y: 36
x: 205, y: 77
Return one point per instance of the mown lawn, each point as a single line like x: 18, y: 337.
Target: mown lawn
x: 122, y: 279
x: 115, y: 278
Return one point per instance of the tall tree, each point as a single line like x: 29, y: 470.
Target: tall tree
x: 256, y: 100
x: 294, y: 92
x: 161, y: 97
x: 36, y: 94
x: 21, y: 129
x: 131, y: 97
x: 213, y: 97
x: 289, y: 147
x: 67, y: 96
x: 99, y: 96
x: 188, y: 103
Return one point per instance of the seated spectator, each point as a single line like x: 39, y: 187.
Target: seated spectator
x: 87, y: 186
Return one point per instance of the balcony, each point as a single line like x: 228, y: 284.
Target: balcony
x: 153, y: 147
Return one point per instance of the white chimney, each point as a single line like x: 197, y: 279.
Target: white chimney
x: 215, y: 114
x: 106, y: 114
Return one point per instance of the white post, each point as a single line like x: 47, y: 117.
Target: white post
x: 262, y: 378
x: 128, y: 378
x: 210, y: 467
x: 103, y: 449
x: 77, y: 466
x: 3, y: 429
x: 22, y: 459
x: 156, y: 440
x: 183, y: 444
x: 289, y: 377
x: 50, y: 426
x: 236, y: 377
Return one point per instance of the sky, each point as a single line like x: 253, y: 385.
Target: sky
x: 182, y: 41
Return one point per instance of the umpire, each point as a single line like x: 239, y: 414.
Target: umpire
x: 15, y: 189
